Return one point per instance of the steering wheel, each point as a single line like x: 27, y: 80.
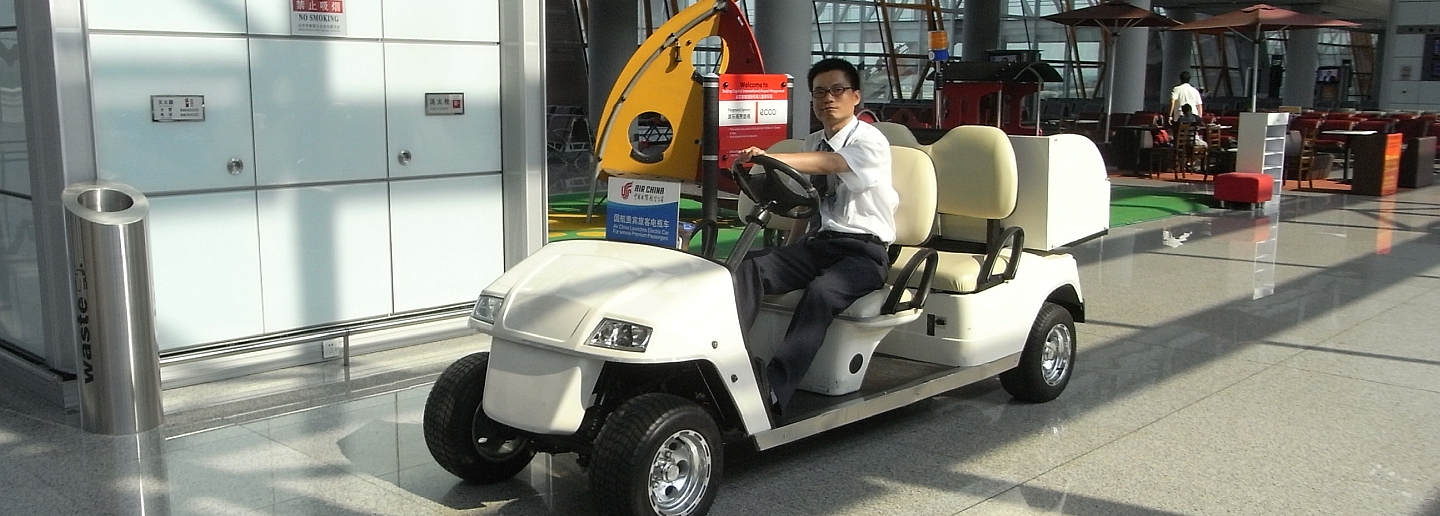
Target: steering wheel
x: 795, y: 198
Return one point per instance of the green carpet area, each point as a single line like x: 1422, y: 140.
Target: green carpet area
x: 1129, y: 205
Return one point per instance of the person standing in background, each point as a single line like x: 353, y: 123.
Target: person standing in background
x: 1183, y: 94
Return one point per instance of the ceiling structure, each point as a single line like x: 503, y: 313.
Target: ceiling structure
x: 1373, y: 14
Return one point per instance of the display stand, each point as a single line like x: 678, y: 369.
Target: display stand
x: 1262, y: 148
x: 1417, y: 162
x: 1377, y: 164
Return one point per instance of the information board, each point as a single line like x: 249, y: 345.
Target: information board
x: 643, y: 211
x: 754, y: 112
x: 317, y: 17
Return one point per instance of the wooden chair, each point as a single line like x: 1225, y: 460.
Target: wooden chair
x: 1182, y: 155
x: 1215, y: 155
x: 1309, y: 164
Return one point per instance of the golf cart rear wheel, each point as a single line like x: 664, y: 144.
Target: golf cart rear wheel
x: 1048, y: 358
x: 658, y: 454
x: 465, y: 441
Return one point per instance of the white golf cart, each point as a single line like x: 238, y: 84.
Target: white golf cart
x: 631, y: 355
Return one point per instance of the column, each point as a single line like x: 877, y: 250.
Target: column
x: 1178, y: 49
x: 1301, y: 59
x: 59, y: 128
x: 523, y: 159
x: 785, y: 45
x: 613, y: 35
x: 980, y: 29
x: 1129, y: 62
x: 1387, y: 83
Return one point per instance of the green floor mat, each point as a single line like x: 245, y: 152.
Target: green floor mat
x: 1133, y: 205
x: 1128, y: 205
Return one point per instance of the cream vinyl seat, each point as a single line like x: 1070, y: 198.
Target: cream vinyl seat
x: 977, y: 182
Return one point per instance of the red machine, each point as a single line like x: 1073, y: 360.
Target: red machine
x: 990, y: 93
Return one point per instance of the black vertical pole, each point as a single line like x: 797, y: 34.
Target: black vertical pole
x: 790, y: 106
x: 710, y: 163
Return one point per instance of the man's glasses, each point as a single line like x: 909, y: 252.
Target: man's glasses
x: 819, y: 93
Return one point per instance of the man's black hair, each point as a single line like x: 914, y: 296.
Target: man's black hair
x: 1184, y: 76
x: 831, y: 64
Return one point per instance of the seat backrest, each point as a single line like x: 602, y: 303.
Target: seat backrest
x: 787, y: 145
x: 1145, y: 118
x: 1383, y: 126
x: 913, y: 175
x: 977, y: 178
x: 1305, y: 125
x: 897, y: 134
x: 1412, y: 127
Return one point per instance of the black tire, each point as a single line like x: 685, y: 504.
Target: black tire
x: 664, y: 434
x: 465, y: 441
x: 1048, y: 358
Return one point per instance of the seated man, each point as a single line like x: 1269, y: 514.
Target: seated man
x: 1187, y: 116
x: 847, y: 257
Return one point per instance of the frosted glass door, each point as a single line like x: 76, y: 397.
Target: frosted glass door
x: 424, y: 144
x: 326, y: 253
x: 131, y: 147
x: 227, y: 16
x: 470, y: 20
x: 319, y: 110
x: 19, y: 277
x: 205, y: 259
x: 447, y: 239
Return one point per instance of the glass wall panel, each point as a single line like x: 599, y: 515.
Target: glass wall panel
x: 20, y: 324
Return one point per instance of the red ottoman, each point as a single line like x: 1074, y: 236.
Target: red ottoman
x: 1246, y: 187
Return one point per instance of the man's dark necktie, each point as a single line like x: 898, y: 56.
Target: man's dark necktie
x: 821, y: 182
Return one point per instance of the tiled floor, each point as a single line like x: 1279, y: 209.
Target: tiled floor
x: 1233, y: 363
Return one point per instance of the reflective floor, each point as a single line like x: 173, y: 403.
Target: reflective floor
x: 1233, y: 363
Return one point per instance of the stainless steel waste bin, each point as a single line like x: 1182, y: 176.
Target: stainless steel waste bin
x: 119, y: 359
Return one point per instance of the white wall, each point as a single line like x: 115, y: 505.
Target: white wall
x: 322, y: 222
x: 1404, y: 51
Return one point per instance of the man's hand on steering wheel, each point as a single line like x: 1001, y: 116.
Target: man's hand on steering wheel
x: 771, y: 193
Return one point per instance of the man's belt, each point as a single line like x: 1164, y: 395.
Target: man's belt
x: 863, y: 237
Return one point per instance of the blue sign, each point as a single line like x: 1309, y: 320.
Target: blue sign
x: 642, y: 211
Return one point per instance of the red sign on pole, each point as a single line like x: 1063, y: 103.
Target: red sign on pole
x: 754, y: 112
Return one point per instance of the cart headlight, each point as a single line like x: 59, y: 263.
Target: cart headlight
x: 620, y: 335
x: 487, y: 308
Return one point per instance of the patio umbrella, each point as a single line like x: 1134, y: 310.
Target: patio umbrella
x: 1111, y: 16
x: 1252, y: 22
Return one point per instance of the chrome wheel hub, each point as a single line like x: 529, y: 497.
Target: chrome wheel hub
x: 680, y: 473
x: 1055, y: 361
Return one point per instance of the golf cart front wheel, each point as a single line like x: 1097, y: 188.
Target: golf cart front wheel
x: 657, y: 455
x: 463, y: 440
x: 1047, y: 360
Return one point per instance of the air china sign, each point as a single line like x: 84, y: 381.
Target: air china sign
x: 643, y: 211
x: 317, y: 17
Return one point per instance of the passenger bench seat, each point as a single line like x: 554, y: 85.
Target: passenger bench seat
x: 977, y: 181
